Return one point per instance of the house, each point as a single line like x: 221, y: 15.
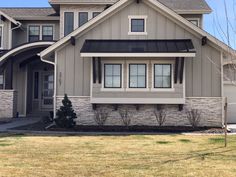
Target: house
x: 110, y: 55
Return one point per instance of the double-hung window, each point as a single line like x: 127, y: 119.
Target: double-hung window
x: 137, y: 25
x: 83, y: 18
x: 137, y: 75
x: 162, y: 76
x: 47, y: 33
x: 34, y: 33
x: 68, y: 23
x: 1, y: 35
x: 112, y: 75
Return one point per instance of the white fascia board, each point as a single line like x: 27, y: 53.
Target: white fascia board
x: 137, y: 100
x: 167, y: 55
x: 35, y: 44
x: 10, y: 18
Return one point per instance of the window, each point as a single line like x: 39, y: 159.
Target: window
x: 1, y: 81
x: 1, y: 35
x: 95, y: 14
x: 68, y: 23
x: 112, y: 75
x: 34, y: 33
x: 162, y: 76
x: 137, y: 25
x: 47, y: 34
x: 83, y: 18
x: 137, y: 75
x: 194, y: 21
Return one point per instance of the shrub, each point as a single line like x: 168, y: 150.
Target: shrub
x: 194, y: 117
x: 126, y: 117
x: 100, y: 117
x: 65, y: 116
x: 160, y: 117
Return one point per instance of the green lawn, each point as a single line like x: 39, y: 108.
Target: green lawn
x: 108, y: 156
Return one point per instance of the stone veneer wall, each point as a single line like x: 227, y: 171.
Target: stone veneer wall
x: 8, y: 103
x: 211, y: 112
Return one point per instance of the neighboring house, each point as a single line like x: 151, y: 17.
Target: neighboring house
x: 140, y: 55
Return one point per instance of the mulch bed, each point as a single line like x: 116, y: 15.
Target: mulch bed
x: 40, y: 126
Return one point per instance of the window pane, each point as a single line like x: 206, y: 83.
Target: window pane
x: 108, y: 70
x: 1, y: 37
x: 142, y: 70
x: 116, y: 81
x: 95, y: 14
x: 137, y: 25
x: 83, y: 18
x: 108, y: 81
x: 33, y: 38
x: 158, y: 82
x: 1, y: 79
x: 47, y: 30
x: 133, y: 82
x: 166, y: 82
x: 36, y: 85
x: 141, y: 81
x: 68, y: 22
x: 166, y: 70
x: 34, y: 30
x: 116, y: 70
x: 133, y: 70
x: 158, y: 70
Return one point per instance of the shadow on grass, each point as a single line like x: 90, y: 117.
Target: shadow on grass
x: 185, y: 140
x: 216, y: 140
x: 163, y: 142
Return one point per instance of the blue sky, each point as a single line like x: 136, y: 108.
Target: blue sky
x: 215, y: 23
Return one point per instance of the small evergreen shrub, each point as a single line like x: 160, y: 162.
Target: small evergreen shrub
x: 65, y: 116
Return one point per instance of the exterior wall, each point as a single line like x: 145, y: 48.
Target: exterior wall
x: 202, y: 76
x: 20, y: 36
x: 8, y: 100
x: 210, y: 108
x: 76, y: 9
x: 6, y: 30
x: 193, y: 16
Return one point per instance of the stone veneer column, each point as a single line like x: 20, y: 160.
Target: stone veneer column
x: 210, y: 108
x: 8, y: 103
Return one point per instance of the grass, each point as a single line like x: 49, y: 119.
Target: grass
x: 109, y: 156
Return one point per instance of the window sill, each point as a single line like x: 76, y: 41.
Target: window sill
x: 137, y: 89
x: 112, y: 89
x: 162, y: 89
x: 137, y: 33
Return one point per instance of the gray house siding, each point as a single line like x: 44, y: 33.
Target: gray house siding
x: 202, y: 76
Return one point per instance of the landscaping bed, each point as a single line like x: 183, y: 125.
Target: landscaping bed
x: 40, y: 126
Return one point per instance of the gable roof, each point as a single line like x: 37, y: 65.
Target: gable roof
x: 10, y: 18
x: 179, y: 6
x: 122, y: 3
x: 29, y: 13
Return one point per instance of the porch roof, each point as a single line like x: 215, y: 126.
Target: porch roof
x: 138, y: 48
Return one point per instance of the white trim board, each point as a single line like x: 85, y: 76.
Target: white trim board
x: 165, y: 55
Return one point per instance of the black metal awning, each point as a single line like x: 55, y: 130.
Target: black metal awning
x: 149, y: 48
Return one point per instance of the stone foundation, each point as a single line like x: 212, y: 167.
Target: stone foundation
x: 210, y: 108
x: 8, y: 104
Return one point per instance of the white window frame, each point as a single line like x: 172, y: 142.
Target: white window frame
x: 142, y: 17
x: 40, y: 30
x: 2, y: 26
x: 194, y: 19
x: 168, y: 62
x: 128, y: 89
x: 103, y: 89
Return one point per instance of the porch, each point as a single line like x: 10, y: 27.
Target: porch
x: 27, y: 82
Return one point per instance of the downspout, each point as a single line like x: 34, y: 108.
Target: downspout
x: 10, y: 35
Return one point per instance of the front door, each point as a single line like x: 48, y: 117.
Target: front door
x: 47, y: 90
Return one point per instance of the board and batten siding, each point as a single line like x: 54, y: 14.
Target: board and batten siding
x: 202, y: 76
x: 6, y: 30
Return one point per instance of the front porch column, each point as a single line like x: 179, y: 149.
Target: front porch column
x: 9, y: 75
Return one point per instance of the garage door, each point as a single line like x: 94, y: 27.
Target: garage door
x: 230, y: 93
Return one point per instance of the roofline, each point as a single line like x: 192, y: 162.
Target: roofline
x: 107, y: 12
x: 39, y: 18
x: 80, y: 3
x: 193, y: 11
x: 24, y: 46
x: 9, y: 18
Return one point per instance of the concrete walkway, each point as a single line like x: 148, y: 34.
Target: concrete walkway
x: 17, y: 122
x: 232, y: 127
